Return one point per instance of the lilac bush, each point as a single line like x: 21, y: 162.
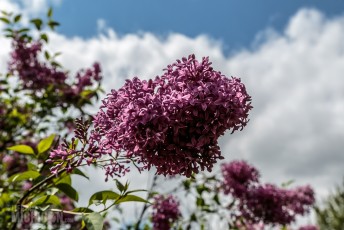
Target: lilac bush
x: 171, y: 122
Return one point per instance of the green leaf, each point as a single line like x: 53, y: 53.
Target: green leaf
x: 52, y: 24
x: 103, y: 196
x: 50, y: 12
x: 5, y: 20
x: 37, y: 22
x: 63, y: 179
x: 4, y: 198
x: 24, y: 30
x: 82, y: 210
x: 17, y: 18
x: 50, y: 199
x: 80, y: 173
x: 216, y: 199
x: 24, y: 176
x: 126, y: 186
x: 119, y: 185
x: 129, y: 198
x: 200, y: 201
x: 136, y: 190
x: 25, y: 149
x: 45, y: 144
x: 68, y: 190
x: 44, y: 37
x: 32, y: 167
x: 55, y: 64
x: 47, y: 55
x: 85, y: 93
x: 286, y: 184
x: 94, y: 221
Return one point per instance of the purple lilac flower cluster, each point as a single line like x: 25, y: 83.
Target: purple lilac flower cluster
x: 264, y: 202
x: 237, y: 178
x: 165, y: 212
x: 84, y: 78
x: 33, y: 73
x: 174, y: 121
x: 38, y: 75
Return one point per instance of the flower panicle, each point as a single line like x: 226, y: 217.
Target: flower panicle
x: 265, y: 203
x: 165, y: 212
x: 174, y: 121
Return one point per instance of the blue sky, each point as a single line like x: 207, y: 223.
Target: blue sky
x: 235, y: 22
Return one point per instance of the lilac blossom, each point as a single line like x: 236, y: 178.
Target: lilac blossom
x: 165, y: 212
x: 67, y: 157
x: 275, y: 205
x: 38, y: 75
x: 33, y: 73
x: 174, y: 121
x: 237, y: 177
x: 264, y: 203
x: 26, y: 185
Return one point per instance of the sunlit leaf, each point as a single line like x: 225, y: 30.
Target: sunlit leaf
x: 63, y: 179
x: 24, y: 176
x: 94, y: 221
x: 25, y: 149
x: 45, y: 144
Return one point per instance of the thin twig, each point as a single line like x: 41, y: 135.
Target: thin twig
x: 145, y: 207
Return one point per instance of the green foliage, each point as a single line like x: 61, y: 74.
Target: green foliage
x: 27, y: 115
x: 330, y: 214
x: 44, y: 200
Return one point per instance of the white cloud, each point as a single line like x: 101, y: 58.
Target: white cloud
x: 295, y: 79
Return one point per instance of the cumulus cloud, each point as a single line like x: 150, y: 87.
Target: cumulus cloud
x: 294, y: 76
x: 297, y: 91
